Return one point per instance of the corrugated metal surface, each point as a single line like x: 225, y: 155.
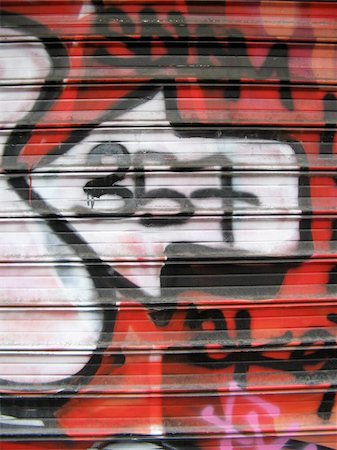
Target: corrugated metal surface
x: 168, y: 225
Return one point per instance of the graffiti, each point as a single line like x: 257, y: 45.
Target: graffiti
x: 298, y: 361
x: 252, y: 418
x: 168, y: 202
x: 178, y: 47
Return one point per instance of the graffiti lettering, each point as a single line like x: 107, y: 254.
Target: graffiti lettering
x: 177, y: 44
x: 141, y: 197
x: 254, y: 435
x: 315, y: 347
x: 173, y: 41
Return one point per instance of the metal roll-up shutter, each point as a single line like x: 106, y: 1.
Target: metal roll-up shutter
x: 168, y: 225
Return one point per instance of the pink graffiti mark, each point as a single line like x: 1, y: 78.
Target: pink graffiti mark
x: 254, y: 438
